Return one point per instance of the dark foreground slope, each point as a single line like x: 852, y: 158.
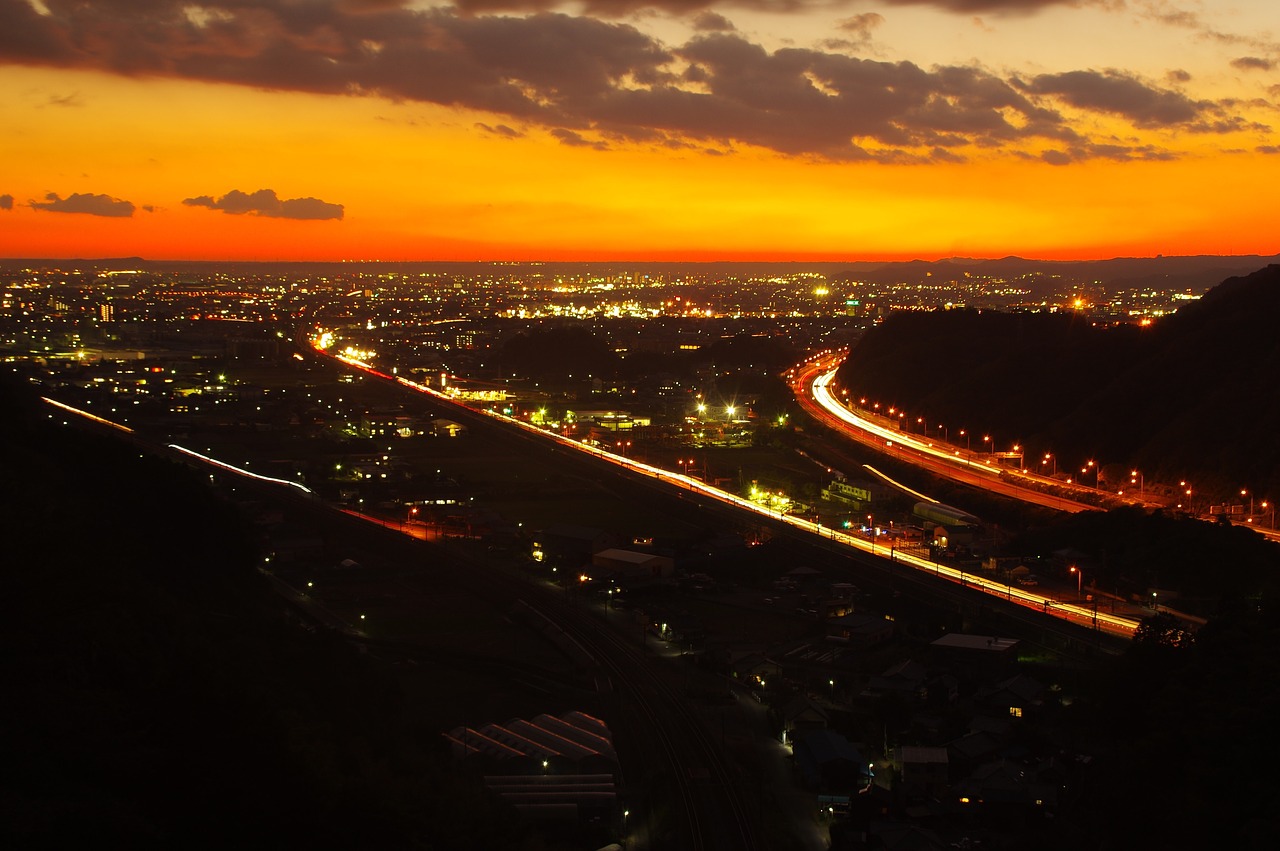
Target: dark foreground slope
x: 1191, y: 398
x: 158, y: 695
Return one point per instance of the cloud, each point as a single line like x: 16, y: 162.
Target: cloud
x: 1268, y: 149
x: 576, y: 140
x: 1011, y: 7
x: 1122, y: 94
x: 6, y: 202
x: 861, y: 26
x: 588, y: 80
x: 621, y: 8
x: 91, y: 205
x: 71, y: 100
x: 500, y: 130
x: 1162, y: 12
x: 1252, y: 63
x: 712, y: 22
x: 265, y: 203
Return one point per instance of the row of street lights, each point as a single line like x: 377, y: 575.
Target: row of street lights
x: 1049, y: 460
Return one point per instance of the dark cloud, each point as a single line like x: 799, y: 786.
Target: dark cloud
x: 576, y: 140
x: 91, y: 205
x: 72, y: 99
x: 1177, y: 75
x: 500, y: 130
x: 711, y: 22
x: 1268, y: 149
x: 1120, y: 94
x: 1252, y: 63
x: 860, y: 27
x: 619, y: 8
x: 1012, y: 7
x: 265, y: 203
x: 6, y: 202
x: 601, y: 81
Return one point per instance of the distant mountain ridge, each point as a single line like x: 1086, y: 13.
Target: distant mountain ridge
x: 1192, y: 398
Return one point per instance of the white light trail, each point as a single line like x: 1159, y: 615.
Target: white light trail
x: 1068, y: 611
x: 238, y: 470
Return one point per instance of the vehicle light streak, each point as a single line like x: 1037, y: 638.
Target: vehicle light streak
x: 823, y: 396
x: 238, y: 470
x: 1087, y: 616
x: 899, y: 485
x: 86, y: 415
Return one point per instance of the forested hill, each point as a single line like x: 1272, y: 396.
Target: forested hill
x: 1192, y: 397
x: 157, y: 696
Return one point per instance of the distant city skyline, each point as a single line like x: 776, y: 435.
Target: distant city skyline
x: 616, y: 130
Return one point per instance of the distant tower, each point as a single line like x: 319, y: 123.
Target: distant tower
x: 107, y: 312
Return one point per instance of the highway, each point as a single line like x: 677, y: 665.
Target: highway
x: 710, y: 811
x: 1077, y: 611
x: 812, y: 387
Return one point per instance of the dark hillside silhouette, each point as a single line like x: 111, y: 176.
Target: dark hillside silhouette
x: 1191, y: 398
x: 157, y: 696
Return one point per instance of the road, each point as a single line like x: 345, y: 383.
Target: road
x: 1075, y: 611
x: 812, y: 387
x: 712, y: 809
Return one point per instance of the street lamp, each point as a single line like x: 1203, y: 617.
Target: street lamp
x: 832, y: 683
x: 1048, y: 456
x: 1243, y: 493
x: 1079, y: 577
x: 1137, y: 477
x: 1096, y: 471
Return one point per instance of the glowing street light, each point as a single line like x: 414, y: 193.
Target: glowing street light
x: 1137, y: 478
x: 1079, y: 578
x: 1096, y: 469
x: 1048, y: 456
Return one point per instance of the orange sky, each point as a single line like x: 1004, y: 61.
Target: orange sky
x: 748, y: 146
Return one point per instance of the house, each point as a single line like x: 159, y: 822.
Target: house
x: 859, y: 629
x: 906, y: 678
x: 574, y: 545
x: 974, y: 652
x: 801, y: 716
x: 548, y: 767
x: 924, y: 771
x: 1003, y: 783
x: 754, y: 668
x: 827, y: 761
x: 973, y: 749
x: 631, y: 565
x: 1014, y: 696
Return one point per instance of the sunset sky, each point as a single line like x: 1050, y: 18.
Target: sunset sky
x: 638, y: 129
